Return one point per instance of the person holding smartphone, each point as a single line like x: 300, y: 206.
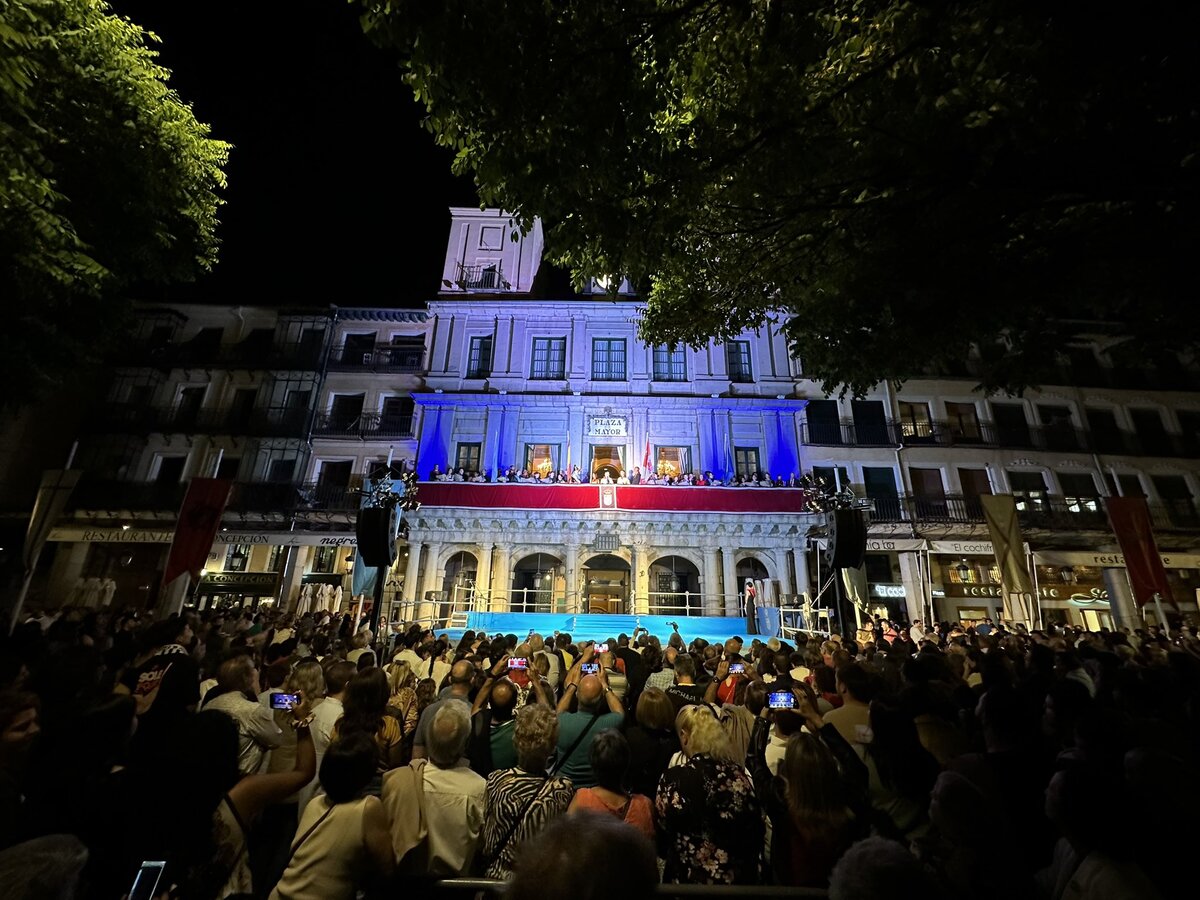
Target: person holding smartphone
x: 598, y: 708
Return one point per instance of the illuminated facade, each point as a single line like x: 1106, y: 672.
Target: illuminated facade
x: 507, y: 368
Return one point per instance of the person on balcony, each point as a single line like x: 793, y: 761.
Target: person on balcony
x: 622, y: 478
x: 636, y: 476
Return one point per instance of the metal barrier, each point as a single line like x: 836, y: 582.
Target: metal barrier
x: 486, y: 887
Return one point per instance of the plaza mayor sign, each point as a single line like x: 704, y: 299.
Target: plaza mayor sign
x: 607, y: 426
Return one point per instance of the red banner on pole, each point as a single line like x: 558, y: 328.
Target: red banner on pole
x: 1130, y: 519
x: 199, y: 519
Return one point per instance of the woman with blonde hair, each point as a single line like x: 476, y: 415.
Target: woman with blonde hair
x: 402, y: 684
x: 705, y: 810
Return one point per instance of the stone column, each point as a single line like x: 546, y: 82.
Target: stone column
x: 572, y: 578
x: 289, y: 581
x: 640, y: 601
x: 729, y: 582
x: 783, y: 572
x: 800, y: 555
x: 501, y: 578
x: 483, y: 578
x: 427, y: 610
x: 412, y: 574
x: 711, y: 588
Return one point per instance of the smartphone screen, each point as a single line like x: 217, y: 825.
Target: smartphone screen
x: 145, y: 883
x: 602, y: 648
x: 781, y: 700
x: 518, y: 662
x: 737, y: 668
x: 591, y: 668
x: 284, y: 701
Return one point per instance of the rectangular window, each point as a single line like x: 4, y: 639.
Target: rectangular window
x: 1079, y: 491
x: 870, y: 423
x: 170, y: 469
x: 670, y: 364
x: 466, y: 457
x: 1151, y: 433
x: 963, y: 421
x: 396, y: 417
x: 228, y: 467
x: 540, y: 458
x: 879, y: 484
x: 915, y: 424
x: 737, y: 359
x: 549, y: 358
x: 1177, y: 498
x: 1106, y: 435
x: 929, y: 493
x: 278, y: 557
x: 745, y: 461
x: 672, y: 461
x: 608, y: 359
x: 237, y: 556
x: 1058, y: 429
x: 824, y: 425
x: 1012, y: 428
x: 324, y: 559
x: 1029, y: 489
x: 1128, y: 485
x: 975, y: 484
x: 281, y: 471
x: 479, y: 358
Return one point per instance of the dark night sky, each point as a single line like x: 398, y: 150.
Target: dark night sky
x: 336, y: 194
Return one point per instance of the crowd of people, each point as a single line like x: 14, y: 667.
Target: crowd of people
x: 666, y: 477
x: 270, y: 756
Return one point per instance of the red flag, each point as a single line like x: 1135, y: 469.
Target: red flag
x: 199, y: 519
x: 646, y: 455
x: 1130, y: 519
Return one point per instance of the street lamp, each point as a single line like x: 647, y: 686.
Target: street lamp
x: 964, y: 572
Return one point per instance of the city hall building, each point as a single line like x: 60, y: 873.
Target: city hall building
x: 508, y: 367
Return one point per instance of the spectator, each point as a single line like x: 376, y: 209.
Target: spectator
x: 164, y: 686
x: 652, y: 741
x: 436, y: 805
x: 576, y: 730
x: 257, y: 731
x: 853, y: 718
x: 609, y: 759
x: 326, y: 715
x: 708, y: 820
x: 365, y: 711
x: 523, y: 799
x: 462, y: 675
x: 685, y: 691
x: 343, y: 835
x: 19, y: 729
x: 403, y: 701
x: 566, y: 860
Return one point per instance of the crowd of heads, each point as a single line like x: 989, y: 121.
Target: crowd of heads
x: 664, y: 476
x: 973, y: 762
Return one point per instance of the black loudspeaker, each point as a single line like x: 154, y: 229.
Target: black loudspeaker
x: 846, y: 544
x: 376, y: 531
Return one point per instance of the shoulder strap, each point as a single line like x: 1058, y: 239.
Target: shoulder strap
x: 325, y: 815
x: 512, y: 828
x: 575, y: 746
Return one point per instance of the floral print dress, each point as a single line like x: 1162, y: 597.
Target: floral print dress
x: 710, y: 828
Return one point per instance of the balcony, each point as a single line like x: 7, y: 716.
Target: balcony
x: 482, y: 278
x: 1047, y: 512
x: 246, y: 496
x: 1049, y: 438
x: 126, y: 418
x: 378, y: 359
x: 301, y: 356
x: 367, y: 427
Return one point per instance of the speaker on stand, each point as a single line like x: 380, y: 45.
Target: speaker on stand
x: 845, y: 548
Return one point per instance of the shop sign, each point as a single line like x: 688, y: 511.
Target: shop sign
x: 607, y: 426
x: 112, y: 535
x: 894, y: 545
x: 1076, y: 594
x: 888, y: 591
x: 238, y: 580
x: 1110, y: 560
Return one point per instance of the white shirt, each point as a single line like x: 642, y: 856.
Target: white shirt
x: 257, y: 731
x: 325, y: 716
x: 455, y: 800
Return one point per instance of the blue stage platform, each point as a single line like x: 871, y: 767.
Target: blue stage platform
x: 598, y: 626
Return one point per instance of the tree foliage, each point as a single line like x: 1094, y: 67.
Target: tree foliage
x: 912, y: 182
x: 106, y: 179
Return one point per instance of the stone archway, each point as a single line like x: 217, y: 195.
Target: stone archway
x: 607, y: 583
x: 460, y: 572
x: 674, y: 586
x: 538, y: 583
